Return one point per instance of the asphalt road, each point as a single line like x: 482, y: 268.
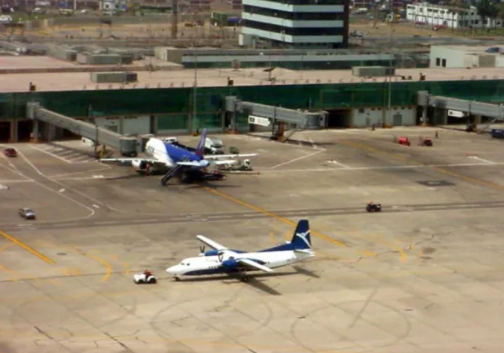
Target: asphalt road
x: 213, y: 217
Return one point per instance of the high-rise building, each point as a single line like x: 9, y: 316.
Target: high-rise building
x: 299, y: 24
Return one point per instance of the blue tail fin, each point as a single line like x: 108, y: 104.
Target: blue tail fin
x: 301, y: 238
x: 201, y: 145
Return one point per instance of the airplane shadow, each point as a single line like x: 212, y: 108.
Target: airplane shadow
x: 125, y: 177
x: 305, y: 272
x: 215, y: 185
x: 254, y: 280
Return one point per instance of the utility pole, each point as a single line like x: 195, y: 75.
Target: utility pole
x: 174, y: 25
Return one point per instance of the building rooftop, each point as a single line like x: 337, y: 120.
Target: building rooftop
x: 34, y: 64
x: 470, y: 49
x: 75, y: 81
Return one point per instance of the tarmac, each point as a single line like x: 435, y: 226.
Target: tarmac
x: 424, y: 275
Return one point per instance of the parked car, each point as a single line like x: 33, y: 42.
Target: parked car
x: 27, y: 213
x: 10, y: 152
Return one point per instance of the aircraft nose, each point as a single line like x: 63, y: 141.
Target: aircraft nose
x: 204, y: 163
x: 172, y: 270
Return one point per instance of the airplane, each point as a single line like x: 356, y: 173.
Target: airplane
x: 175, y: 159
x: 222, y: 260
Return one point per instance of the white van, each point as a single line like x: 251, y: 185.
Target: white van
x: 214, y: 145
x: 5, y: 19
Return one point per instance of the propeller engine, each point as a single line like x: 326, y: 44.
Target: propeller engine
x: 227, y: 259
x: 140, y: 166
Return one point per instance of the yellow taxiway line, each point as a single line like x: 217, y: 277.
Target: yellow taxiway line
x: 26, y: 247
x: 270, y: 214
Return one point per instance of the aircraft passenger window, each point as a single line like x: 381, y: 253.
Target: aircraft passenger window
x: 188, y: 264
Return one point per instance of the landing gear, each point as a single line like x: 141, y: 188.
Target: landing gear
x: 177, y: 278
x: 243, y: 276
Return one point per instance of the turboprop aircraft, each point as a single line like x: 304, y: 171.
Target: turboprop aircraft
x: 227, y: 261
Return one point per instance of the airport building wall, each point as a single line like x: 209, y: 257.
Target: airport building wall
x: 171, y: 109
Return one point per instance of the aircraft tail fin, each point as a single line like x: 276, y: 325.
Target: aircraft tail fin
x: 201, y: 145
x: 301, y: 239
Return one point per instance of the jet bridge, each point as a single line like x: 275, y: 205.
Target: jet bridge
x: 127, y: 146
x: 460, y: 107
x: 276, y: 117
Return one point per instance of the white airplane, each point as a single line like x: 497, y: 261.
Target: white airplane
x: 176, y: 159
x: 227, y: 261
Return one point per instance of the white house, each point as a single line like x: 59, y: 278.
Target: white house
x: 450, y: 17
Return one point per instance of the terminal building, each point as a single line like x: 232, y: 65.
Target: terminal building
x: 449, y: 17
x: 168, y: 103
x: 299, y: 24
x: 294, y: 59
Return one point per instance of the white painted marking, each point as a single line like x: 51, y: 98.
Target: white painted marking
x: 90, y: 178
x: 62, y: 190
x: 67, y: 153
x: 482, y: 160
x: 313, y: 144
x: 332, y: 161
x: 3, y: 187
x: 381, y: 168
x: 50, y: 154
x: 16, y: 181
x: 80, y: 158
x: 105, y: 222
x: 295, y: 160
x: 96, y: 206
x: 92, y: 212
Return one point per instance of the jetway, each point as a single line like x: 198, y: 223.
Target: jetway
x: 127, y: 146
x: 276, y: 117
x: 465, y: 107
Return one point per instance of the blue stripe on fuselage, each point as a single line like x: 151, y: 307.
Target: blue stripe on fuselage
x: 222, y: 270
x: 178, y: 154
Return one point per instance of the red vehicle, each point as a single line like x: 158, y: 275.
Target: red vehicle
x: 404, y: 141
x: 10, y: 152
x: 425, y: 142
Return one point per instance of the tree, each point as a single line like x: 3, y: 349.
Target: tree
x: 500, y: 10
x: 486, y: 10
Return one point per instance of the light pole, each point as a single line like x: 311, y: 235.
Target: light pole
x: 389, y: 103
x: 195, y: 85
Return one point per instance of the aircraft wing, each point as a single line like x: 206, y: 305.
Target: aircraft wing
x: 254, y: 265
x: 123, y: 160
x: 228, y: 156
x: 210, y: 243
x: 189, y: 164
